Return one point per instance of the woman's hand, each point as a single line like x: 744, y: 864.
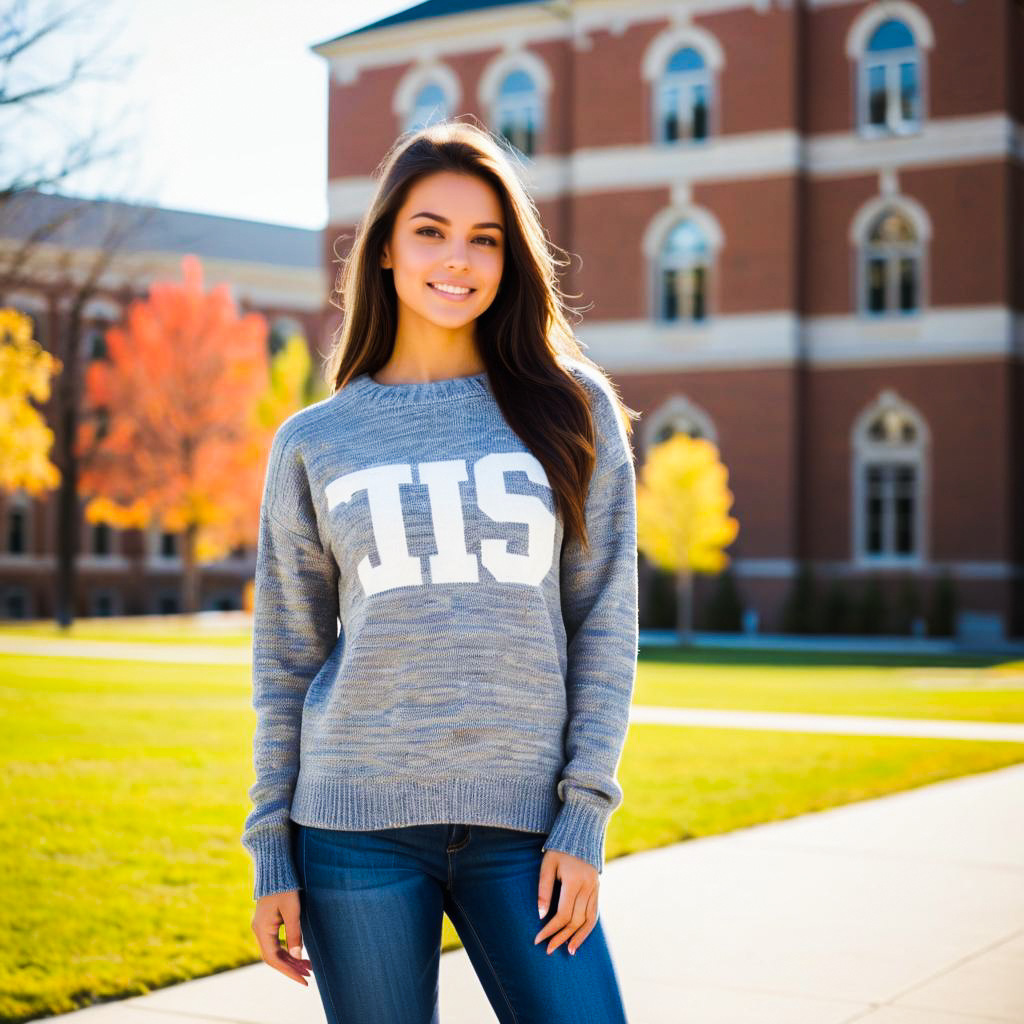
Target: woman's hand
x: 576, y: 914
x: 271, y: 912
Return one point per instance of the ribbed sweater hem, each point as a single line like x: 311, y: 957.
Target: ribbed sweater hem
x: 576, y: 827
x: 326, y: 802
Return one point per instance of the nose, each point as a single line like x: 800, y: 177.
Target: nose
x: 457, y: 255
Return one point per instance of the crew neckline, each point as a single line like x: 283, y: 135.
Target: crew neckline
x: 445, y: 389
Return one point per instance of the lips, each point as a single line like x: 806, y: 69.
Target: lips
x: 431, y: 284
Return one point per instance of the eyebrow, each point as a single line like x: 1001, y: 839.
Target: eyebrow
x: 445, y: 220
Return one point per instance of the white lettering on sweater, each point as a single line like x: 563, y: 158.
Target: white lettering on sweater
x: 453, y: 563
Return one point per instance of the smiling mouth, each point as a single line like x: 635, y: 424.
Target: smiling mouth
x: 454, y: 295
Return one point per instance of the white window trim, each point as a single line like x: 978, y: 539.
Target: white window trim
x: 891, y: 60
x: 654, y: 238
x: 403, y: 103
x: 863, y: 26
x: 495, y: 72
x: 154, y: 558
x: 857, y: 37
x: 673, y: 408
x: 864, y: 452
x: 859, y: 228
x: 657, y: 55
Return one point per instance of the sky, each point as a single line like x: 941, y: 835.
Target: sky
x: 220, y: 105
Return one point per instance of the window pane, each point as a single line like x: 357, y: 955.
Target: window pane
x: 670, y: 309
x: 700, y: 112
x: 670, y: 113
x: 686, y: 59
x: 517, y: 81
x: 873, y: 482
x: 908, y: 284
x: 685, y: 241
x: 698, y: 278
x: 876, y: 284
x: 904, y: 510
x: 908, y: 92
x: 876, y: 95
x: 890, y: 35
x: 16, y: 531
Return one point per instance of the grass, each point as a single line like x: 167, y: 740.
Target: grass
x: 125, y: 791
x: 966, y: 687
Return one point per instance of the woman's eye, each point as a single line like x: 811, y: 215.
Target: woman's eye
x: 485, y: 238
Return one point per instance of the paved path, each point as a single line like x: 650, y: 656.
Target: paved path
x: 126, y: 650
x: 852, y: 725
x: 908, y: 909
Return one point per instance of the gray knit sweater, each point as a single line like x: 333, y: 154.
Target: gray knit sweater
x: 483, y: 671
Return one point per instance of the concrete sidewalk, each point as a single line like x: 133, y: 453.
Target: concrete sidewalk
x: 907, y: 909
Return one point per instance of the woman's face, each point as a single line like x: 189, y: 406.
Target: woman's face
x: 450, y: 230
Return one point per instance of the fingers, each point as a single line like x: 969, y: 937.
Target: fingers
x: 546, y: 884
x: 266, y: 923
x: 588, y: 927
x: 292, y: 930
x: 576, y: 913
x: 571, y: 913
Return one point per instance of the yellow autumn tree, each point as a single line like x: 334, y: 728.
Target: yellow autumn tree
x: 683, y: 521
x: 25, y: 439
x: 289, y: 382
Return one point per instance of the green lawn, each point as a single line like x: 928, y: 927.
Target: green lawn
x: 125, y: 792
x: 967, y: 687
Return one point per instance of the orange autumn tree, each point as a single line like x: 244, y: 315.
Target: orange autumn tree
x: 175, y: 436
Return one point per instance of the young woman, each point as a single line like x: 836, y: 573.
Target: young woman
x: 463, y: 506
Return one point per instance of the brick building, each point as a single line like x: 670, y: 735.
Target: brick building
x: 800, y: 235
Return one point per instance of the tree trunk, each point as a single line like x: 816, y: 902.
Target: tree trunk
x: 68, y: 541
x: 684, y: 606
x: 190, y: 573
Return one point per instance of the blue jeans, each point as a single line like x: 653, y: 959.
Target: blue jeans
x: 371, y: 911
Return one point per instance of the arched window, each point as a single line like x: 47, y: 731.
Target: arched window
x: 889, y: 464
x: 683, y: 273
x: 891, y: 265
x: 517, y: 111
x: 678, y: 415
x: 890, y: 80
x: 430, y: 106
x: 683, y: 98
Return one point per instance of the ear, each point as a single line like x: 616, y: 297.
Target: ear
x: 385, y: 258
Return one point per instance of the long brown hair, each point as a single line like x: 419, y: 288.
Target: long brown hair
x: 520, y: 336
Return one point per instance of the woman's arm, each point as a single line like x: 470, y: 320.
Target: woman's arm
x: 295, y: 628
x: 600, y: 611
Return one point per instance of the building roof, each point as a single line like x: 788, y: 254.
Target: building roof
x: 85, y: 223
x: 422, y: 11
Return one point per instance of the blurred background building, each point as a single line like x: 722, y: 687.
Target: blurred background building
x: 271, y: 269
x: 799, y: 235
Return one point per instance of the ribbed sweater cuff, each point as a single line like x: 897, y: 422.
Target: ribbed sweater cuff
x: 580, y: 829
x: 272, y: 859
